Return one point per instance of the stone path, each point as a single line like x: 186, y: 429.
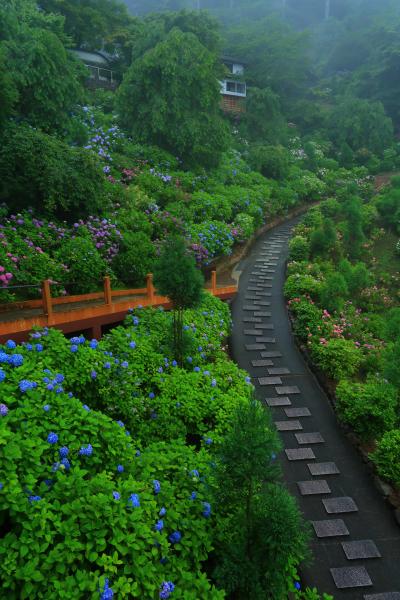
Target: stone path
x: 356, y: 540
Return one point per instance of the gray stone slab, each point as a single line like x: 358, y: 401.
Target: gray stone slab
x: 262, y: 313
x: 260, y: 294
x: 282, y: 401
x: 253, y: 347
x: 263, y: 302
x: 264, y: 285
x: 383, y: 596
x: 297, y: 412
x: 269, y: 326
x: 351, y: 577
x: 272, y: 354
x: 278, y: 371
x: 269, y: 380
x: 250, y: 297
x: 343, y: 504
x: 252, y: 332
x: 313, y: 487
x: 323, y: 468
x: 330, y: 528
x: 288, y: 425
x: 288, y: 389
x: 360, y: 549
x: 252, y: 320
x: 262, y: 363
x: 252, y: 288
x: 309, y: 438
x: 251, y: 307
x: 299, y: 453
x: 266, y: 340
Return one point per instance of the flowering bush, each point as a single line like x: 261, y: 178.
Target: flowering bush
x: 387, y: 456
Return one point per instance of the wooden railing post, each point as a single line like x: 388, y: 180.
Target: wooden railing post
x: 46, y: 298
x: 107, y: 291
x: 214, y: 282
x: 150, y: 288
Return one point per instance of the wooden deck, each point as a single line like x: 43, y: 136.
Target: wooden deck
x: 89, y: 313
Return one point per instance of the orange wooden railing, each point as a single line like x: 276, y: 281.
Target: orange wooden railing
x: 79, y: 314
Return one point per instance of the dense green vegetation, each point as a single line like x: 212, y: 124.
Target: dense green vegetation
x: 346, y: 309
x: 122, y: 461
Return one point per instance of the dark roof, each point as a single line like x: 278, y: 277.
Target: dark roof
x: 231, y: 59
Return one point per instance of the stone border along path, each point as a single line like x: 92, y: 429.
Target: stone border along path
x: 356, y: 540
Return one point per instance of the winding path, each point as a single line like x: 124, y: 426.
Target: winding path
x: 356, y: 540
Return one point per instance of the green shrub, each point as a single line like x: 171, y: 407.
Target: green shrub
x: 302, y: 285
x: 86, y: 268
x: 216, y: 236
x: 370, y: 408
x: 271, y: 161
x: 387, y: 456
x: 299, y: 248
x: 308, y: 318
x: 135, y: 259
x: 333, y: 292
x: 245, y: 226
x: 40, y: 171
x: 338, y: 358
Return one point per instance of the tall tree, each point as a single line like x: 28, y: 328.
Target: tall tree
x: 170, y: 97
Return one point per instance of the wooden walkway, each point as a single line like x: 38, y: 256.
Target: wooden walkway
x: 89, y: 313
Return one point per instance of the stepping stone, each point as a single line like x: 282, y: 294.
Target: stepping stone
x: 340, y: 505
x: 360, y: 549
x: 250, y: 297
x: 251, y: 320
x: 297, y: 412
x: 251, y: 307
x: 263, y: 294
x: 323, y: 468
x: 313, y: 487
x: 288, y: 425
x: 261, y: 363
x: 262, y: 313
x: 271, y: 354
x: 299, y: 453
x: 269, y: 380
x: 278, y: 401
x: 252, y: 332
x: 309, y: 438
x: 383, y: 596
x: 351, y: 577
x: 263, y: 303
x: 288, y: 389
x: 330, y: 528
x: 266, y: 326
x: 265, y: 340
x: 252, y: 288
x: 278, y: 371
x: 253, y: 347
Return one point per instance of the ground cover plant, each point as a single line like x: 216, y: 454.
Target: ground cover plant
x: 111, y: 461
x: 345, y: 302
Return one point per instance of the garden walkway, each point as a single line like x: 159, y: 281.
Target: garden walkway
x: 356, y: 540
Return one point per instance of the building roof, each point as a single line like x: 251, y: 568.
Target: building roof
x: 234, y: 60
x: 96, y: 58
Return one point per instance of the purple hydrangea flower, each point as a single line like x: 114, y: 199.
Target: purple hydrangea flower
x: 3, y: 410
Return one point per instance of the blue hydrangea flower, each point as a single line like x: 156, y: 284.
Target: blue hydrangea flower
x: 2, y: 375
x: 208, y: 441
x: 66, y: 464
x: 3, y: 410
x: 107, y: 365
x: 59, y: 378
x: 16, y: 360
x: 120, y: 469
x: 3, y: 357
x: 134, y: 500
x: 93, y: 374
x: 46, y: 407
x: 107, y: 593
x: 159, y: 526
x: 132, y: 345
x: 273, y: 456
x: 125, y: 364
x: 34, y: 498
x: 196, y: 369
x: 175, y: 537
x: 213, y: 382
x: 297, y: 585
x: 137, y: 453
x: 85, y: 407
x: 28, y: 347
x: 116, y: 495
x: 189, y: 359
x: 50, y: 387
x: 11, y: 344
x: 52, y: 438
x: 195, y: 473
x: 46, y: 380
x: 93, y: 344
x: 39, y: 347
x: 64, y: 451
x: 59, y: 390
x: 156, y: 486
x: 174, y: 363
x: 206, y: 509
x: 120, y: 423
x: 1, y: 486
x: 163, y: 512
x: 151, y: 395
x: 74, y: 348
x: 86, y: 451
x: 26, y: 385
x: 193, y: 495
x: 135, y: 320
